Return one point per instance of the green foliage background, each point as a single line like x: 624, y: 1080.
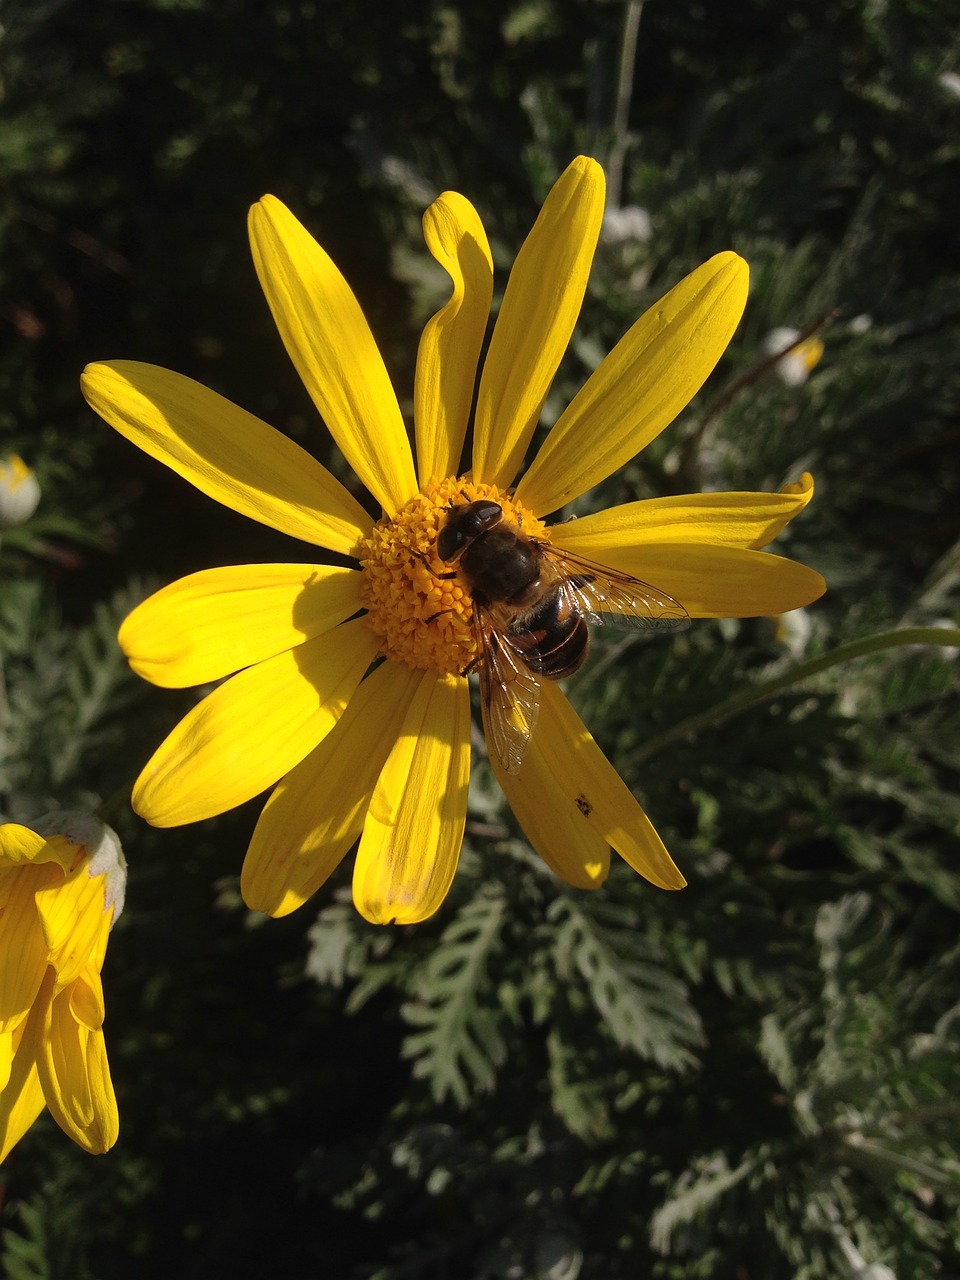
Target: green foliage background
x: 755, y: 1078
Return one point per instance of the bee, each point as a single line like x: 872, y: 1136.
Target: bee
x: 531, y: 605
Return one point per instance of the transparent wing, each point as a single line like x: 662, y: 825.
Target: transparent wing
x: 509, y: 694
x: 604, y: 595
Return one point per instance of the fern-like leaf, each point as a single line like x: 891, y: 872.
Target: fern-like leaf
x: 644, y: 1006
x: 459, y: 1044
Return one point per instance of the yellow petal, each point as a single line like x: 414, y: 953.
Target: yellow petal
x: 537, y: 316
x: 18, y: 844
x: 748, y: 520
x: 451, y: 341
x: 226, y: 452
x: 585, y: 784
x: 212, y: 623
x: 785, y: 505
x: 330, y: 342
x: 252, y: 729
x: 552, y: 824
x: 716, y: 582
x: 411, y: 839
x: 650, y: 375
x: 316, y: 812
x: 76, y: 1080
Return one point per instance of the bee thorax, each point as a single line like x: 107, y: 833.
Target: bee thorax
x: 502, y: 567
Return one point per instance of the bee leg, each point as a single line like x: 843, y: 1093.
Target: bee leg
x: 425, y: 561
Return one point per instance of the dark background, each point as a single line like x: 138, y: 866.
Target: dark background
x: 753, y: 1079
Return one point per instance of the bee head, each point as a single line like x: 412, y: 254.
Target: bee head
x: 464, y: 524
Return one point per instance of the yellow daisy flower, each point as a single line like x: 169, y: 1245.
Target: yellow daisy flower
x: 381, y: 752
x: 60, y: 893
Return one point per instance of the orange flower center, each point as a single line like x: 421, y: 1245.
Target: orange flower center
x: 421, y: 608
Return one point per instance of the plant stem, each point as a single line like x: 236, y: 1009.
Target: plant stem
x: 803, y: 671
x: 621, y: 110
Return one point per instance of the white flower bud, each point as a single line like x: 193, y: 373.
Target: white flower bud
x: 19, y: 491
x: 794, y: 367
x: 630, y: 223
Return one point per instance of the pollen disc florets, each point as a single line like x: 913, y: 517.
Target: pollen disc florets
x: 419, y: 607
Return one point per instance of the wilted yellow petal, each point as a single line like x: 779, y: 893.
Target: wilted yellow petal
x: 86, y: 999
x: 6, y: 1057
x: 226, y: 452
x: 414, y: 828
x: 540, y: 307
x: 713, y: 581
x: 23, y: 949
x: 585, y: 783
x: 650, y: 375
x: 747, y: 520
x: 451, y: 341
x: 76, y: 1080
x: 329, y: 341
x: 63, y: 1069
x: 21, y: 1099
x: 104, y: 1130
x: 18, y: 844
x: 212, y: 623
x: 252, y: 729
x: 75, y: 922
x: 317, y: 811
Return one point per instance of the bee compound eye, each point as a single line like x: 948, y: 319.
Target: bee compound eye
x: 464, y: 524
x: 450, y: 541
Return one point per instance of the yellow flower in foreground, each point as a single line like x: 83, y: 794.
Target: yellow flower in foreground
x: 60, y: 893
x: 382, y: 752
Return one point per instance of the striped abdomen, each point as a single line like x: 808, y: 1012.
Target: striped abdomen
x: 552, y: 637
